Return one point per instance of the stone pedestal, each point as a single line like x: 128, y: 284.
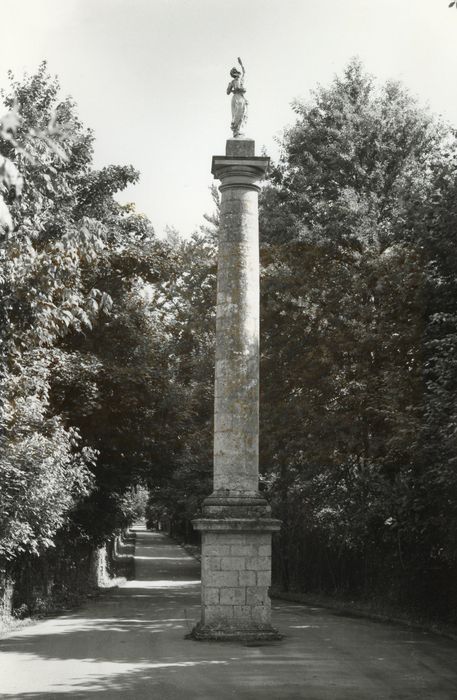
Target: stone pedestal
x: 236, y: 575
x: 236, y: 526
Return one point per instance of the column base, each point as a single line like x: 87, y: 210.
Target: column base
x: 227, y: 504
x: 233, y: 633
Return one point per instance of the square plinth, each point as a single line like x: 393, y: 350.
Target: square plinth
x: 236, y: 575
x: 240, y: 147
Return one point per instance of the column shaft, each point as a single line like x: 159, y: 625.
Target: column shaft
x: 236, y: 405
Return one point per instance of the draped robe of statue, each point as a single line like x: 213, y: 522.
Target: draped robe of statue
x: 239, y: 105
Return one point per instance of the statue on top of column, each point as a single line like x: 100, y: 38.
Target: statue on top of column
x: 239, y: 102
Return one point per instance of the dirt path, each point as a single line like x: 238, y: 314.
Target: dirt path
x: 130, y: 644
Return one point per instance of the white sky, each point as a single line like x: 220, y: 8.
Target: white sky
x: 149, y: 76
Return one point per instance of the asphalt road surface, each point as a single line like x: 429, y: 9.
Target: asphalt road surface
x: 130, y: 644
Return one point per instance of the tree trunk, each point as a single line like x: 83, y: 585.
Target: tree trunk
x: 6, y: 594
x: 98, y: 568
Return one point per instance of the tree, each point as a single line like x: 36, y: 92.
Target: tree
x: 41, y: 251
x: 190, y: 325
x: 67, y: 246
x: 345, y: 324
x: 99, y: 303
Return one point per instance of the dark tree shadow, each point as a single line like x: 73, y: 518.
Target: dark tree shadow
x: 130, y: 644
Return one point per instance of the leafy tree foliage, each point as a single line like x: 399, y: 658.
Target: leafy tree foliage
x: 190, y: 324
x: 109, y: 312
x: 69, y: 251
x: 42, y: 250
x: 348, y: 340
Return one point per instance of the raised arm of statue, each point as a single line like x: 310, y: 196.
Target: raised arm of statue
x: 243, y: 70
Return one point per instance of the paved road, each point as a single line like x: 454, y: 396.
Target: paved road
x: 130, y: 644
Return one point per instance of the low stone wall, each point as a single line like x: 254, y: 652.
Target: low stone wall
x: 56, y: 581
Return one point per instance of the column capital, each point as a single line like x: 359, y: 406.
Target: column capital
x: 239, y: 171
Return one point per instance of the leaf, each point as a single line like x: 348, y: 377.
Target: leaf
x: 5, y: 217
x: 10, y: 175
x: 10, y: 122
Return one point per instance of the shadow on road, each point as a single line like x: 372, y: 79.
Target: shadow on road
x: 130, y: 643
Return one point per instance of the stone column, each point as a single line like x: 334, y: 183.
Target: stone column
x: 236, y: 526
